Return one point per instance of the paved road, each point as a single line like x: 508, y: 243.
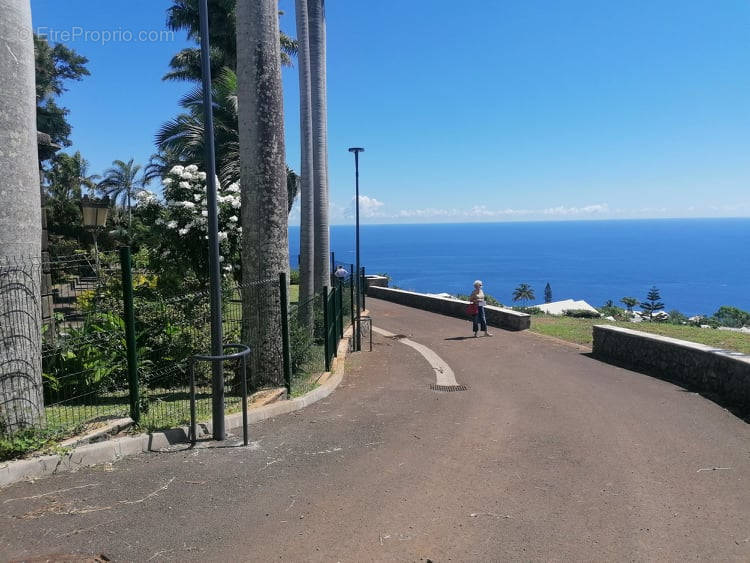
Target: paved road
x: 549, y: 455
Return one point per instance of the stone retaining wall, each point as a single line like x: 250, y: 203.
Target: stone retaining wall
x: 720, y: 373
x: 496, y: 316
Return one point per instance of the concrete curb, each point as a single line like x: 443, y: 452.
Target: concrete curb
x: 113, y: 450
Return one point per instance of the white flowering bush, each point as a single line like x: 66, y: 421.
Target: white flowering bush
x: 183, y: 224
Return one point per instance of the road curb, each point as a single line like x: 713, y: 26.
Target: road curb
x: 115, y: 449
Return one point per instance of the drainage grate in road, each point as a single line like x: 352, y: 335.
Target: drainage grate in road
x: 448, y: 387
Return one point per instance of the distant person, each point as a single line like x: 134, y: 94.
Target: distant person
x: 341, y: 273
x: 477, y: 297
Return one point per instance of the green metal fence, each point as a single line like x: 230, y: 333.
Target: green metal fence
x: 115, y: 343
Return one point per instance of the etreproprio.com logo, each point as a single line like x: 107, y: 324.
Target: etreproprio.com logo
x: 78, y: 34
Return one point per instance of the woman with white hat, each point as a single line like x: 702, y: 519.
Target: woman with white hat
x: 477, y: 298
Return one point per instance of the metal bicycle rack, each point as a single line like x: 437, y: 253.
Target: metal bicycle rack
x: 242, y: 353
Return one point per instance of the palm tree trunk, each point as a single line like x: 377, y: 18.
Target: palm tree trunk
x: 21, y: 401
x: 265, y: 245
x: 317, y: 40
x: 307, y: 199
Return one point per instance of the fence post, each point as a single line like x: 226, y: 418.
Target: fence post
x: 325, y: 328
x: 129, y: 317
x: 364, y: 288
x: 340, y: 316
x: 285, y: 334
x: 351, y: 296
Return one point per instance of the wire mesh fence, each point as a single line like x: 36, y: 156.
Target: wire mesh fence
x: 62, y: 366
x: 64, y: 330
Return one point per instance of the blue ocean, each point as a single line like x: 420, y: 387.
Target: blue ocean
x: 697, y: 264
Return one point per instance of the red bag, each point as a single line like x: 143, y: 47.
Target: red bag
x: 472, y: 309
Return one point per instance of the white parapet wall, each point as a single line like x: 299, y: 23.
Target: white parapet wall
x: 723, y: 374
x: 496, y: 316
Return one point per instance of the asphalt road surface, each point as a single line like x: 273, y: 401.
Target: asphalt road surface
x: 549, y: 455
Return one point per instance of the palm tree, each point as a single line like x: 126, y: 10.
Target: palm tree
x: 265, y: 249
x: 183, y: 15
x: 121, y: 182
x: 317, y: 46
x: 307, y: 199
x: 524, y: 293
x: 629, y: 303
x: 21, y: 400
x: 181, y: 139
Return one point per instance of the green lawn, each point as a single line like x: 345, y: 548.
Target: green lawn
x: 580, y: 332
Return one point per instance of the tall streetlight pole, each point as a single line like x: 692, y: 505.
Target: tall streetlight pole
x: 217, y: 391
x: 356, y: 151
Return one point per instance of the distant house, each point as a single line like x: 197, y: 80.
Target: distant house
x: 559, y: 307
x: 657, y: 316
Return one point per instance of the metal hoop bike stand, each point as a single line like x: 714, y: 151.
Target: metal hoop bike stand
x: 242, y: 353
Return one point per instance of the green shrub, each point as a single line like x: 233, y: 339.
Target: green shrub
x: 528, y: 310
x: 582, y: 314
x: 294, y: 277
x: 677, y: 318
x: 732, y: 317
x: 613, y: 311
x: 86, y: 359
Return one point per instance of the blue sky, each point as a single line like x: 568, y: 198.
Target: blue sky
x: 490, y: 111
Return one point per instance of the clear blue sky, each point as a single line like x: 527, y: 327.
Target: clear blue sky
x: 489, y: 111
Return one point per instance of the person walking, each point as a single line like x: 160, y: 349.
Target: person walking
x: 341, y: 274
x: 479, y: 319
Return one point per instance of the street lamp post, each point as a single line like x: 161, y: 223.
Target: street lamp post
x: 217, y: 384
x: 95, y: 213
x: 356, y: 151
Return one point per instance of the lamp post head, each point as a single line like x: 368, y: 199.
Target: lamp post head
x: 94, y: 211
x: 356, y: 149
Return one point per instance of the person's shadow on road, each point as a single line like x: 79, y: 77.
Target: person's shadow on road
x: 461, y: 338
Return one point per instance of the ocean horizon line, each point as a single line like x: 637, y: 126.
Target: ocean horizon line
x: 541, y: 221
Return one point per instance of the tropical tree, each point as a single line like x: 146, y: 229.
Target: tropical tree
x: 65, y: 181
x: 524, y: 293
x: 652, y: 303
x: 183, y: 15
x: 265, y: 248
x: 21, y: 398
x: 307, y: 196
x: 629, y: 303
x: 318, y: 99
x: 548, y: 293
x: 54, y: 65
x: 180, y: 140
x: 121, y: 181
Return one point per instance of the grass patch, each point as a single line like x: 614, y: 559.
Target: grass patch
x: 580, y: 331
x: 304, y: 380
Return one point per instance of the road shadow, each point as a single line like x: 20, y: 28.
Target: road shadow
x: 740, y: 411
x: 460, y: 338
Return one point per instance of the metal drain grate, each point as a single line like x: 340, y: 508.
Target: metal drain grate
x: 448, y: 387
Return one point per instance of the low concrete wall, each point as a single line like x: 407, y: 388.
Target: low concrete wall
x: 503, y: 318
x: 720, y: 373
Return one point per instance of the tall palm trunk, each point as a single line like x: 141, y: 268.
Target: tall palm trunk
x: 317, y: 41
x: 307, y: 199
x: 21, y: 402
x: 265, y: 245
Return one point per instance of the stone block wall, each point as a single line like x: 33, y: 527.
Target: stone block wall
x: 496, y: 316
x: 720, y: 373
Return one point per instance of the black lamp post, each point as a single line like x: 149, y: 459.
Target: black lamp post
x: 356, y: 151
x: 95, y: 212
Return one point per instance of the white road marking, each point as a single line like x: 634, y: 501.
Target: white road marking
x: 443, y: 372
